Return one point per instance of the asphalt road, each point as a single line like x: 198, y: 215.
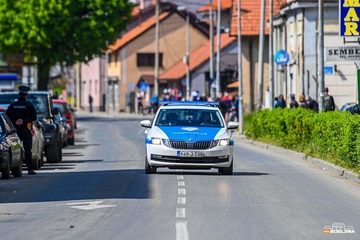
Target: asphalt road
x: 100, y: 191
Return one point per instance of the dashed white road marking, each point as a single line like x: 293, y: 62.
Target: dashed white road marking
x: 180, y: 177
x: 181, y: 200
x: 181, y: 191
x: 181, y: 231
x: 181, y: 184
x: 180, y: 212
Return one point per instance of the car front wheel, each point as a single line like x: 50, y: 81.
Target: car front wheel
x: 227, y: 171
x: 148, y: 168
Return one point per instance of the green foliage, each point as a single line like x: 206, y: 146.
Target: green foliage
x: 61, y: 31
x: 334, y: 136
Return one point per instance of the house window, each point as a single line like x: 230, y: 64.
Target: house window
x: 148, y: 59
x: 109, y: 58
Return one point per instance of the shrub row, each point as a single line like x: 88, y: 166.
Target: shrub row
x: 333, y: 136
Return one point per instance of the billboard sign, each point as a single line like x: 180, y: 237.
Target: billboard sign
x: 342, y: 53
x: 349, y: 13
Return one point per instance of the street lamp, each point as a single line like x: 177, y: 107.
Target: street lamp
x: 183, y: 8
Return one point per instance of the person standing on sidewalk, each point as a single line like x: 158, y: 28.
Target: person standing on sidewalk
x: 90, y: 103
x: 329, y: 103
x: 22, y: 113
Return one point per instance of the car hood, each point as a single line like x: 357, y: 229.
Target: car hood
x: 189, y: 134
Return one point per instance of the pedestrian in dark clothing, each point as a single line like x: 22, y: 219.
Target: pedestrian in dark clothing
x: 312, y: 104
x: 329, y: 103
x: 90, y: 103
x: 22, y: 113
x: 293, y: 102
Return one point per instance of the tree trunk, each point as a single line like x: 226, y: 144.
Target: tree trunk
x: 43, y: 74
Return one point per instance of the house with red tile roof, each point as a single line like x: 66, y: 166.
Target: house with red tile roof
x: 131, y: 57
x: 199, y: 67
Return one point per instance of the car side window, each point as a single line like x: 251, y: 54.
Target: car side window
x: 8, y: 124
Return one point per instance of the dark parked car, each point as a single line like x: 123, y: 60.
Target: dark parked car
x: 63, y: 127
x: 11, y: 153
x: 45, y: 113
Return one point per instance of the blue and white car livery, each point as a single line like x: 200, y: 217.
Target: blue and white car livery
x: 189, y: 135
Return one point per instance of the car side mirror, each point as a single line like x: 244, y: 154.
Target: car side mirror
x: 55, y: 111
x: 145, y: 123
x: 233, y: 125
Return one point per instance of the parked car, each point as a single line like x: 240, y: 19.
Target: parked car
x: 45, y: 113
x: 38, y: 142
x: 347, y: 107
x: 63, y: 127
x: 189, y: 135
x: 38, y: 145
x: 11, y: 149
x: 67, y: 113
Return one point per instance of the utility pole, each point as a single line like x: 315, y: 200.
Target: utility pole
x: 321, y: 79
x: 261, y: 56
x: 157, y: 30
x: 188, y: 84
x: 211, y: 50
x: 271, y: 56
x: 218, y: 73
x: 78, y: 81
x: 240, y: 87
x: 106, y: 100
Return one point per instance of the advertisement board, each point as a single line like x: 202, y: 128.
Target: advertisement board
x: 349, y: 13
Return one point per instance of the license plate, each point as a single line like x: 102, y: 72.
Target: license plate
x: 190, y: 154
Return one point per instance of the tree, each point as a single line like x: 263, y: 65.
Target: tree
x: 61, y: 31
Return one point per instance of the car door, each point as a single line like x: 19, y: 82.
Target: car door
x: 14, y: 140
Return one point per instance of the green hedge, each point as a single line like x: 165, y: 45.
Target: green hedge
x: 333, y: 136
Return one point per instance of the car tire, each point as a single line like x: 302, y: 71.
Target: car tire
x: 60, y: 152
x: 42, y: 159
x: 5, y: 173
x: 227, y: 171
x: 65, y: 143
x: 148, y: 168
x: 17, y: 171
x: 52, y: 153
x: 35, y: 164
x: 71, y: 141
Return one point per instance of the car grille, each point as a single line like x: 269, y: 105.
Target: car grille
x: 195, y: 145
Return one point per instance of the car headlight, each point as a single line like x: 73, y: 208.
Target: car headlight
x: 156, y: 141
x: 224, y: 142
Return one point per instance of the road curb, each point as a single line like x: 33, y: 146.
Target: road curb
x: 319, y: 162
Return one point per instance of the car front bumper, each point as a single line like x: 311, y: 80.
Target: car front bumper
x: 162, y: 156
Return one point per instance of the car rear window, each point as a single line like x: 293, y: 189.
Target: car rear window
x: 39, y: 101
x: 62, y: 107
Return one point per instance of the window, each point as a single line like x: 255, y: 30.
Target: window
x: 148, y: 59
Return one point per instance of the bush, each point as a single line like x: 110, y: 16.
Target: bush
x: 334, y: 136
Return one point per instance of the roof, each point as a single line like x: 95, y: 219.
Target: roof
x: 197, y: 57
x: 137, y: 31
x: 250, y: 16
x: 225, y: 5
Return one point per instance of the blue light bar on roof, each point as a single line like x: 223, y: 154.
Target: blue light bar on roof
x: 8, y: 76
x: 189, y: 103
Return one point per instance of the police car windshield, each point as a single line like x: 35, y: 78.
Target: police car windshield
x: 189, y: 117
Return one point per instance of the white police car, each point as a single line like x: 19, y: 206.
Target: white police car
x: 189, y: 135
